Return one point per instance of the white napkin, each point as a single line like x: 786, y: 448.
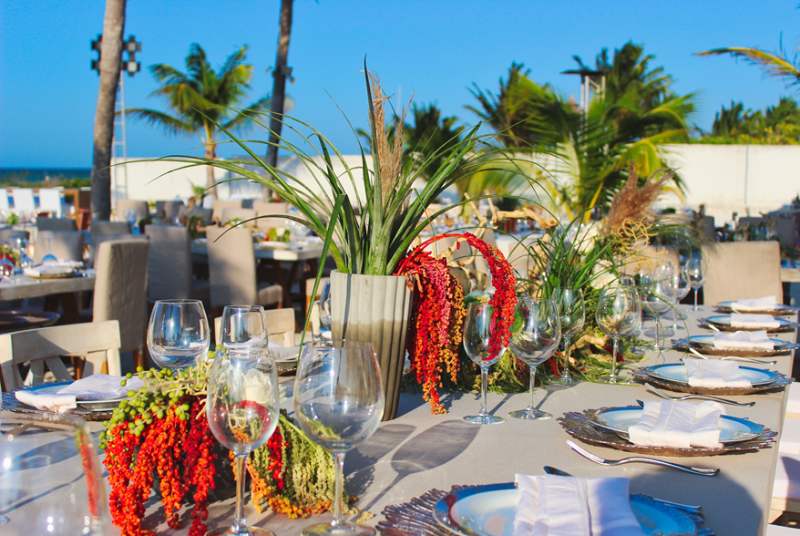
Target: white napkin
x: 47, y: 402
x: 68, y: 264
x: 739, y: 320
x: 715, y: 374
x: 565, y: 506
x: 48, y: 269
x: 754, y: 304
x: 101, y: 387
x: 678, y: 423
x: 282, y: 353
x: 743, y: 340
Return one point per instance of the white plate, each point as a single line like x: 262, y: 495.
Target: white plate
x: 676, y: 372
x: 91, y: 405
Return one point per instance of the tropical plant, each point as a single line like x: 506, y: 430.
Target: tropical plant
x: 103, y: 133
x: 779, y: 124
x: 775, y: 64
x: 203, y: 100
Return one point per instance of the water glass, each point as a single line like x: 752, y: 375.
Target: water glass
x: 338, y: 402
x: 177, y: 334
x: 243, y: 409
x: 243, y: 327
x: 477, y: 335
x: 534, y: 338
x: 572, y: 315
x: 694, y: 268
x: 618, y: 314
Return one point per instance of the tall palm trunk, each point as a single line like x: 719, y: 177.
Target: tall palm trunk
x: 210, y: 145
x: 279, y: 74
x: 110, y: 59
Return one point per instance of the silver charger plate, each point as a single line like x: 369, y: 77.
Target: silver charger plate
x: 672, y: 376
x: 779, y: 309
x: 489, y: 510
x: 723, y: 322
x: 676, y: 372
x: 705, y: 344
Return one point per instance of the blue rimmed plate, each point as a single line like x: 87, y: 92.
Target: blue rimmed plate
x: 777, y: 309
x: 89, y: 405
x: 705, y: 344
x: 676, y: 373
x: 489, y: 511
x: 732, y: 429
x: 723, y: 322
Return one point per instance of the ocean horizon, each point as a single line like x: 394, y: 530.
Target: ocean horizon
x: 41, y: 174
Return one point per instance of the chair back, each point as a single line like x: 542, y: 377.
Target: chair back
x: 242, y: 214
x: 97, y: 342
x: 55, y: 224
x: 205, y: 214
x: 52, y: 200
x: 169, y: 210
x: 279, y: 324
x: 120, y: 288
x: 231, y: 266
x: 23, y: 200
x: 741, y: 270
x: 267, y: 208
x: 10, y: 236
x: 63, y: 245
x: 220, y: 205
x: 124, y: 207
x: 110, y: 228
x: 169, y: 262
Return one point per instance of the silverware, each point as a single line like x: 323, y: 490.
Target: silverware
x: 697, y: 354
x: 700, y: 471
x: 701, y: 397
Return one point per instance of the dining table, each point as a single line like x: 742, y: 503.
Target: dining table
x: 418, y: 451
x: 24, y: 287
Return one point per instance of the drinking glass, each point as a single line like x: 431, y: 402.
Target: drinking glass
x: 618, y: 313
x: 242, y: 327
x: 322, y: 332
x: 658, y: 295
x: 534, y: 337
x: 695, y: 270
x: 477, y: 334
x: 571, y: 314
x: 177, y: 334
x: 338, y: 402
x: 682, y: 286
x: 242, y: 408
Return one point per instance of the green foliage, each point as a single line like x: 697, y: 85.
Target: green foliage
x: 779, y: 124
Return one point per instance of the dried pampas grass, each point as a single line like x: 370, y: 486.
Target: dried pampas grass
x: 390, y: 155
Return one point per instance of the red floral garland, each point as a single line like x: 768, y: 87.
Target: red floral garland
x: 439, y: 312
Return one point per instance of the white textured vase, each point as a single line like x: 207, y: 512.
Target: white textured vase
x: 376, y: 309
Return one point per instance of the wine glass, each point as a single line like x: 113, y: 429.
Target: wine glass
x: 657, y: 297
x: 694, y: 268
x: 477, y: 336
x: 618, y: 313
x: 242, y: 408
x: 534, y: 337
x: 681, y: 283
x: 572, y: 314
x: 338, y: 402
x: 322, y: 331
x: 177, y: 334
x: 242, y: 327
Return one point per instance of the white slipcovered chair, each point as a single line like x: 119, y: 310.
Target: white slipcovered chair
x: 741, y: 270
x: 63, y: 245
x: 23, y: 201
x: 124, y: 207
x: 242, y: 214
x: 220, y: 205
x: 279, y: 324
x: 169, y: 210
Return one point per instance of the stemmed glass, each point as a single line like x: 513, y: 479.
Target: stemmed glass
x: 477, y: 334
x: 618, y: 313
x: 694, y: 268
x: 681, y: 284
x: 571, y: 314
x: 658, y: 295
x: 338, y: 402
x: 322, y: 330
x: 242, y: 409
x: 177, y: 334
x: 534, y: 337
x: 242, y: 327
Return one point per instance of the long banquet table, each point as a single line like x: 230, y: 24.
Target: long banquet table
x: 419, y: 451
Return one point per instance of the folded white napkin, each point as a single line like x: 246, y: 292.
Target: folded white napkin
x: 101, y: 387
x: 565, y: 506
x: 751, y: 321
x: 678, y: 423
x: 69, y: 264
x: 48, y: 269
x: 743, y: 340
x: 715, y: 374
x: 47, y: 402
x: 754, y: 304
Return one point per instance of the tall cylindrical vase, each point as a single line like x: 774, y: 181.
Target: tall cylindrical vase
x: 376, y: 309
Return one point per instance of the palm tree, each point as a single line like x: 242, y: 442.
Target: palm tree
x: 110, y: 59
x: 775, y: 65
x: 204, y: 100
x: 281, y: 72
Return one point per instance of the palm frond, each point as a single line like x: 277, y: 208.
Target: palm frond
x: 773, y: 64
x: 171, y: 124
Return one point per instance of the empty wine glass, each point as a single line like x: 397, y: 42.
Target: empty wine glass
x: 618, y: 313
x: 322, y: 329
x: 534, y: 337
x: 242, y: 327
x: 177, y: 334
x: 682, y: 286
x: 242, y: 408
x: 695, y: 270
x: 477, y: 337
x: 657, y: 297
x: 571, y: 314
x: 338, y: 402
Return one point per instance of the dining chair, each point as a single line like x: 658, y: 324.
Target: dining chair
x: 10, y: 236
x: 170, y: 210
x: 51, y: 200
x: 63, y: 245
x: 23, y: 201
x: 741, y: 270
x: 241, y: 214
x: 169, y: 262
x: 264, y: 209
x: 110, y: 228
x: 42, y: 349
x: 120, y: 290
x: 279, y: 324
x: 220, y: 205
x: 232, y: 270
x: 205, y: 214
x: 124, y: 207
x: 55, y: 224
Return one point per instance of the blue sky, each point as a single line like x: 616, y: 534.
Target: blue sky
x: 431, y: 50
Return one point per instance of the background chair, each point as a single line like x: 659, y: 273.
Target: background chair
x: 205, y: 214
x: 63, y: 245
x: 5, y: 206
x: 242, y: 214
x: 267, y: 208
x: 23, y: 201
x: 232, y: 270
x: 740, y: 270
x: 169, y: 265
x: 110, y: 228
x: 10, y: 236
x: 220, y: 205
x: 279, y: 324
x: 120, y: 290
x: 124, y: 207
x: 55, y: 224
x: 51, y: 200
x: 97, y: 342
x: 169, y: 211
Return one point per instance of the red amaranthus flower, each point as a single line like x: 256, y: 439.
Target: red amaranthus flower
x: 439, y: 312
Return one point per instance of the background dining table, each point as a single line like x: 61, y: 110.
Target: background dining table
x: 418, y: 451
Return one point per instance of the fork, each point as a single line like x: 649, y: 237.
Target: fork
x: 701, y: 397
x: 700, y: 471
x: 697, y: 354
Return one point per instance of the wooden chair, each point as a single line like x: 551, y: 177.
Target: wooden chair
x: 279, y: 324
x: 97, y: 342
x: 741, y: 270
